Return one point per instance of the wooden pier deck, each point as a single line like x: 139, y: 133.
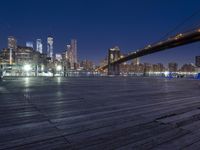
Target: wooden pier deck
x: 99, y: 113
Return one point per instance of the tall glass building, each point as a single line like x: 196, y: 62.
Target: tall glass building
x: 50, y: 47
x: 39, y: 46
x: 12, y: 43
x: 29, y: 44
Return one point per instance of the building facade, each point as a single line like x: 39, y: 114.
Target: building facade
x: 29, y: 44
x: 173, y: 67
x: 50, y: 47
x: 197, y: 61
x: 24, y: 55
x: 39, y: 46
x: 72, y: 54
x: 12, y: 43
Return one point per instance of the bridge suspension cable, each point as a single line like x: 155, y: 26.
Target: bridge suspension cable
x: 181, y: 24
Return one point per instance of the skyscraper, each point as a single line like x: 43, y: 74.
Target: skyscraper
x: 197, y: 61
x: 12, y: 43
x: 136, y: 61
x: 67, y: 52
x: 74, y: 50
x: 50, y: 47
x: 29, y: 44
x: 39, y: 45
x: 72, y: 53
x: 173, y: 67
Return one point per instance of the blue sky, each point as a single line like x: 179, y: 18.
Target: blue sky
x: 101, y: 24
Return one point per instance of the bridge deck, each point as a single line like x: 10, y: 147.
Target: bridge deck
x: 99, y: 113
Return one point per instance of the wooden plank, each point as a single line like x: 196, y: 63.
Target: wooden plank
x: 107, y: 113
x: 180, y: 143
x: 153, y: 141
x: 194, y: 146
x: 49, y: 144
x: 139, y: 138
x: 176, y: 118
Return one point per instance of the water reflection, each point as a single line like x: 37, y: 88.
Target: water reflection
x: 27, y: 81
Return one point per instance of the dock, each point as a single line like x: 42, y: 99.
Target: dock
x: 99, y: 113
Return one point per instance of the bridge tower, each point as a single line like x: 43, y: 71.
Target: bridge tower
x: 113, y: 55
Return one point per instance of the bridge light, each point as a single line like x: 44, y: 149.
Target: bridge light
x: 178, y: 36
x: 149, y: 46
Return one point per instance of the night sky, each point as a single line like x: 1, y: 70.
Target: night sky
x: 101, y: 24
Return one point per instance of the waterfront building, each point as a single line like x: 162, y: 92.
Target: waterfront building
x: 5, y: 56
x: 197, y: 61
x: 68, y: 47
x: 12, y: 43
x: 39, y: 46
x: 125, y: 68
x: 140, y: 68
x: 161, y: 67
x: 24, y: 55
x: 173, y: 67
x: 188, y: 68
x: 155, y: 68
x: 72, y: 54
x: 158, y: 67
x: 73, y: 49
x: 148, y: 67
x: 87, y: 65
x: 136, y: 61
x: 50, y: 47
x: 29, y: 44
x: 58, y: 57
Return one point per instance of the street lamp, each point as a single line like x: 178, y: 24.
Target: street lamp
x: 59, y: 68
x: 27, y: 67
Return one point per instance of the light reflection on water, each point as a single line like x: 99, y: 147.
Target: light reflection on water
x: 59, y: 80
x: 27, y: 81
x: 27, y: 90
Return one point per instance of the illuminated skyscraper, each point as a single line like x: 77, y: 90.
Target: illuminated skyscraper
x: 136, y: 61
x: 74, y: 50
x: 12, y: 43
x: 12, y: 46
x: 39, y: 45
x: 50, y: 47
x: 72, y: 53
x: 67, y: 52
x: 173, y: 67
x: 68, y: 47
x: 197, y: 61
x: 29, y: 44
x: 58, y: 57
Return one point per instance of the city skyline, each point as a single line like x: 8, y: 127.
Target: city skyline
x: 98, y: 31
x: 99, y: 74
x: 37, y: 45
